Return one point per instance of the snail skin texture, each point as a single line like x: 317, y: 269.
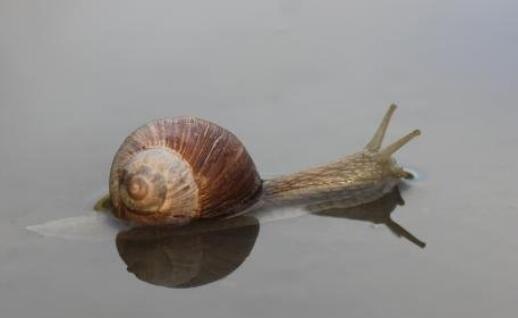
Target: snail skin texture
x: 173, y: 171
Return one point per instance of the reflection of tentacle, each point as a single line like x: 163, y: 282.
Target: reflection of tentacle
x: 401, y: 232
x: 377, y: 212
x: 188, y: 256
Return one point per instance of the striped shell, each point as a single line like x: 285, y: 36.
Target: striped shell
x: 180, y: 169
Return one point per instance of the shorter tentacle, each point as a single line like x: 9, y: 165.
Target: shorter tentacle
x: 392, y: 148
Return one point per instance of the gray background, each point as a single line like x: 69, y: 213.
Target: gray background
x: 300, y: 82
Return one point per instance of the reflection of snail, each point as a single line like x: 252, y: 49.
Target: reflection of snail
x: 377, y: 212
x: 177, y: 170
x: 208, y: 250
x: 188, y: 256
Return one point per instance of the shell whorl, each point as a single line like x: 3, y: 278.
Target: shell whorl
x: 158, y: 180
x: 175, y: 170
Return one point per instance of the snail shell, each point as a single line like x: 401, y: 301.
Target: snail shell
x: 180, y: 169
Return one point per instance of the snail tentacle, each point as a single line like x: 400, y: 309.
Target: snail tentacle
x: 376, y: 141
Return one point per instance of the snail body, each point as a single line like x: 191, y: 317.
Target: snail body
x: 173, y: 171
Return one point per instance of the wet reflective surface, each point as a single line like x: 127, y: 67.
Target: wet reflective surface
x: 300, y: 83
x: 188, y: 256
x: 208, y: 250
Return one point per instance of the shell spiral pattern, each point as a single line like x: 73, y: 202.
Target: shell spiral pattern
x: 180, y: 169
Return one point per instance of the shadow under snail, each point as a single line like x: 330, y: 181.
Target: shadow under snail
x: 173, y: 171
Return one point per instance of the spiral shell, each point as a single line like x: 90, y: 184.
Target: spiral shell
x: 180, y: 169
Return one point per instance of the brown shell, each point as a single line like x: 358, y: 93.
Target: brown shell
x: 225, y: 178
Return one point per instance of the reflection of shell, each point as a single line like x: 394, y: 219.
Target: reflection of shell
x: 189, y: 256
x: 175, y: 170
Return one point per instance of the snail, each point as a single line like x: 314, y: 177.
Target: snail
x: 173, y: 171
